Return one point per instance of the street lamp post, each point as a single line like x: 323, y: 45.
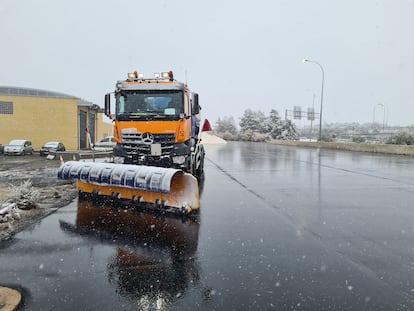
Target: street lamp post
x: 383, y: 119
x: 323, y: 78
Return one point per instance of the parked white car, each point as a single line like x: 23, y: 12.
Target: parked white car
x: 19, y: 147
x: 106, y: 143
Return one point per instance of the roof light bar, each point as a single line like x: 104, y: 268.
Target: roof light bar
x: 133, y: 75
x: 163, y: 75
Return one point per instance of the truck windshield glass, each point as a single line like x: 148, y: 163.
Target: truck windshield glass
x: 149, y: 104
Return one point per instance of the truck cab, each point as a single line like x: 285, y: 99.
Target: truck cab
x: 156, y: 122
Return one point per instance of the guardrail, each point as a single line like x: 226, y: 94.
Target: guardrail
x: 84, y: 155
x: 376, y: 148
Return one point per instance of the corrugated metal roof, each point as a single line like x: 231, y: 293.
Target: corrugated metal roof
x: 22, y: 91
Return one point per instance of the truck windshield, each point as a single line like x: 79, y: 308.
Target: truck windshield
x: 149, y: 105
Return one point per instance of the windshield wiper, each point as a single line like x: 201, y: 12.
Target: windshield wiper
x: 147, y: 115
x: 137, y: 116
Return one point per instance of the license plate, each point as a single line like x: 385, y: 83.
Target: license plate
x: 156, y: 149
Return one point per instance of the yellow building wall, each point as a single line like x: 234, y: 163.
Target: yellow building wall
x: 41, y: 119
x: 103, y: 128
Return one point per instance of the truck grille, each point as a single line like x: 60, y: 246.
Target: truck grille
x: 139, y: 143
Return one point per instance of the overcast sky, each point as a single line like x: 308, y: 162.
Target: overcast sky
x: 235, y: 54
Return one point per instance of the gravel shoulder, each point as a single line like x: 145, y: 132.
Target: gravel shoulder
x: 54, y: 193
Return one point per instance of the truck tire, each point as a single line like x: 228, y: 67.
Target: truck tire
x: 199, y: 171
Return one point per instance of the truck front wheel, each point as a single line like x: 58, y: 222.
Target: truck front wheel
x: 200, y: 169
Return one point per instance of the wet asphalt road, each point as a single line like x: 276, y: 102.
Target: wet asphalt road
x: 281, y: 228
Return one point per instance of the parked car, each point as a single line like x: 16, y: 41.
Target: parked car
x: 106, y: 143
x: 19, y: 147
x: 51, y: 146
x: 1, y: 148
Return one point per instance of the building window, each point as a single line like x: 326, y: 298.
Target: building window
x: 6, y: 107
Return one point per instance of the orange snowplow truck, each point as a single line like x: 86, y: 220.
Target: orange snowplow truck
x: 156, y: 123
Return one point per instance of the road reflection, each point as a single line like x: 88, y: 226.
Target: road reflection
x: 155, y: 257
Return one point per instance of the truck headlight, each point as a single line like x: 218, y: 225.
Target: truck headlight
x: 178, y: 159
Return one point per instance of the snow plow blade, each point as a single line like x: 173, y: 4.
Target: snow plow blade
x: 166, y: 189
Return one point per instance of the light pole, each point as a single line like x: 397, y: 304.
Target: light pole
x: 323, y: 78
x: 383, y: 119
x: 313, y: 114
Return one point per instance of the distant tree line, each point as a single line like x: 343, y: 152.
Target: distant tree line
x: 256, y: 126
x: 402, y: 138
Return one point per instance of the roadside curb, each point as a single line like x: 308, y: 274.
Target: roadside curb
x: 9, y: 299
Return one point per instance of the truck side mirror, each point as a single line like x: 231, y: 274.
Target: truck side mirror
x: 107, y: 105
x: 196, y: 107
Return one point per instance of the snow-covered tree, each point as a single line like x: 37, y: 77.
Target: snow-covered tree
x: 253, y: 120
x: 256, y: 126
x: 286, y: 131
x: 281, y: 129
x: 226, y: 124
x: 272, y: 122
x: 256, y: 122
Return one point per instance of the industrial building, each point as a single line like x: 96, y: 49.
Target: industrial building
x: 41, y: 116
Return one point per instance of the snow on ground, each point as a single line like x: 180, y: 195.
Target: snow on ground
x: 211, y: 139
